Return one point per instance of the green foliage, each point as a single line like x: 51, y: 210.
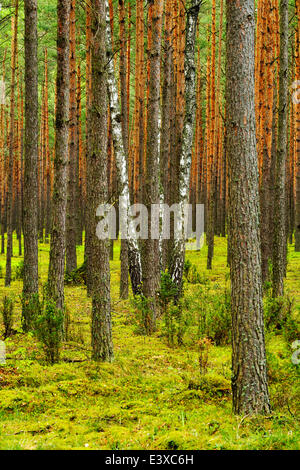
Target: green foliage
x: 48, y: 327
x: 7, y: 315
x: 279, y: 317
x: 176, y: 321
x: 77, y: 276
x: 192, y: 274
x: 212, y: 314
x: 30, y: 311
x: 168, y: 291
x: 142, y: 308
x: 152, y: 396
x: 19, y: 271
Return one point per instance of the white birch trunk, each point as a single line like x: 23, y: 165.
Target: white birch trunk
x: 177, y: 261
x: 134, y: 257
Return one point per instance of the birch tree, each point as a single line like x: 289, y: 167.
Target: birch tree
x: 134, y: 257
x: 178, y: 254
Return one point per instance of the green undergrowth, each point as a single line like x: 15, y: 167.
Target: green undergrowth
x: 153, y: 395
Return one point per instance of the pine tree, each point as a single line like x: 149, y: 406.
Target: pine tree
x: 249, y: 380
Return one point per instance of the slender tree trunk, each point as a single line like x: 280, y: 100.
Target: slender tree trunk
x: 134, y: 258
x: 279, y: 247
x: 30, y: 196
x: 297, y: 130
x: 72, y: 209
x: 249, y: 380
x: 9, y: 207
x: 150, y: 246
x: 125, y: 134
x: 178, y: 255
x: 59, y: 202
x: 99, y: 249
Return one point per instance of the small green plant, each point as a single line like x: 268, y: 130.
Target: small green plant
x: 19, y: 271
x: 192, y: 274
x: 1, y: 272
x: 212, y: 311
x: 204, y: 346
x: 48, y: 327
x: 187, y: 267
x: 142, y: 306
x: 77, y: 276
x: 168, y: 291
x: 7, y: 315
x: 279, y: 317
x: 30, y: 310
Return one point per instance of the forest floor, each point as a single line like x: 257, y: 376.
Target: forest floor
x: 153, y: 395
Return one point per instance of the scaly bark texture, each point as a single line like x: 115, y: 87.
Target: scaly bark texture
x: 30, y: 195
x: 150, y: 246
x: 279, y: 247
x: 249, y: 374
x: 297, y: 132
x: 59, y: 200
x: 102, y: 347
x: 71, y: 225
x: 9, y: 206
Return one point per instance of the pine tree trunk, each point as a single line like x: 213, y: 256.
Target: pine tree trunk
x: 99, y: 249
x: 279, y: 247
x: 297, y: 130
x: 30, y: 196
x: 249, y: 381
x: 72, y: 209
x: 9, y: 206
x: 150, y: 246
x: 59, y: 201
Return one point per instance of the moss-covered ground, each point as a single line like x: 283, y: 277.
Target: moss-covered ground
x: 144, y: 398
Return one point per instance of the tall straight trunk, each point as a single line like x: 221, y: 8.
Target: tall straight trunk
x: 249, y: 379
x: 30, y: 195
x: 165, y: 139
x: 212, y: 161
x: 134, y: 258
x: 88, y: 95
x: 297, y: 131
x: 266, y: 140
x: 80, y: 186
x: 102, y: 347
x: 59, y: 200
x: 2, y: 154
x: 125, y: 134
x: 178, y: 255
x: 47, y: 157
x: 72, y: 209
x: 281, y: 156
x: 9, y: 206
x: 150, y: 246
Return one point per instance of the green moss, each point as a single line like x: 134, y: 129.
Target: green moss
x: 152, y: 396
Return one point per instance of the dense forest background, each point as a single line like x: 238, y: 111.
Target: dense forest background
x: 141, y: 344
